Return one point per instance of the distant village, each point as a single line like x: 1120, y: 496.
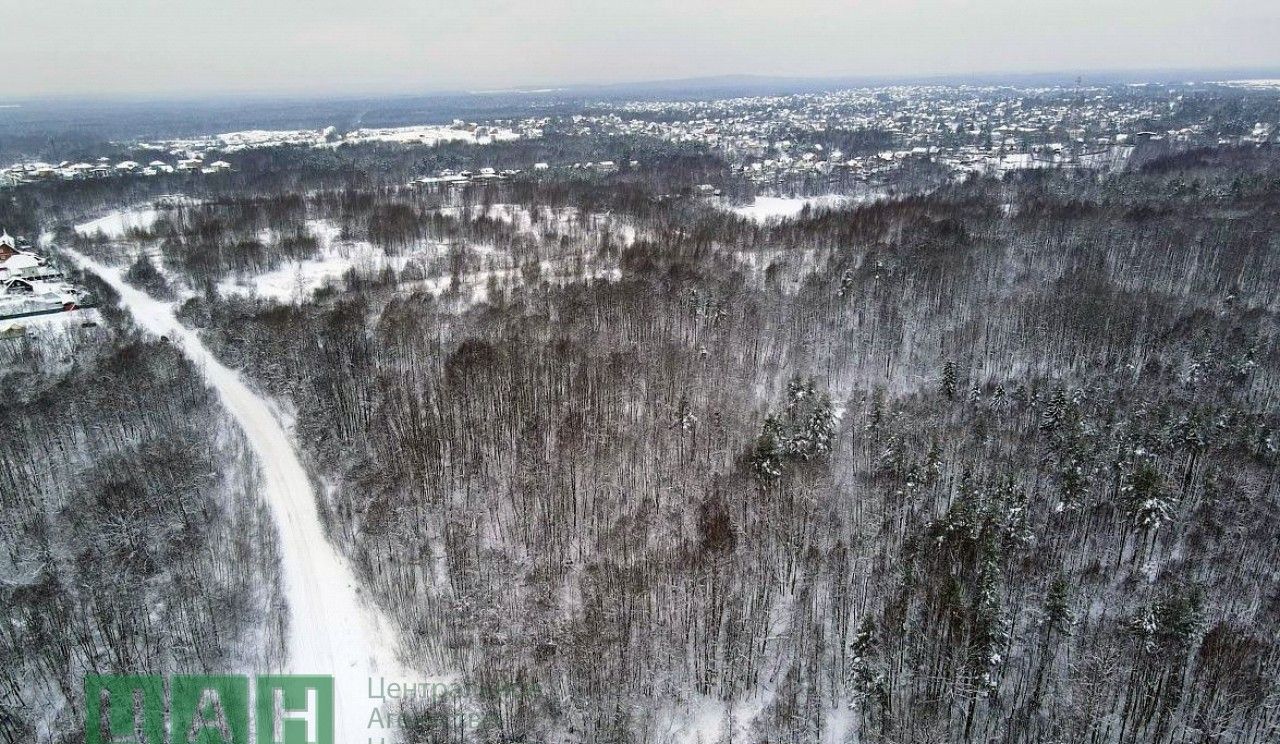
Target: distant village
x: 775, y: 141
x: 778, y: 141
x: 199, y: 155
x: 36, y: 172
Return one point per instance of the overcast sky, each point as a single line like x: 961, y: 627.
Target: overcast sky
x: 192, y: 47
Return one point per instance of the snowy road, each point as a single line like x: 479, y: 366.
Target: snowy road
x: 331, y: 630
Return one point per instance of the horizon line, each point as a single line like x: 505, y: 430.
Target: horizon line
x: 374, y: 92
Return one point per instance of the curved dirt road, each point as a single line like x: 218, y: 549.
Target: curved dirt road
x: 331, y: 630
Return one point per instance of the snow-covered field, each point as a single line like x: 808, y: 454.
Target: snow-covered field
x: 765, y: 208
x: 332, y: 630
x: 1263, y: 83
x: 115, y: 225
x: 427, y: 134
x: 430, y: 135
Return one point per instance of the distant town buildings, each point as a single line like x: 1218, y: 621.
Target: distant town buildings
x: 990, y: 130
x: 863, y: 134
x: 36, y: 172
x: 193, y: 155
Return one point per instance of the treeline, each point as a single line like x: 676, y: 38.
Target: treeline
x: 276, y: 170
x: 266, y: 173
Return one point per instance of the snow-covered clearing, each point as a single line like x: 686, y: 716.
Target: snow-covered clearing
x: 1254, y: 83
x: 332, y: 629
x: 770, y: 207
x: 429, y: 134
x: 295, y: 281
x: 115, y: 225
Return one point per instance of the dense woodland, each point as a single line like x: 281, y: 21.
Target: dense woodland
x: 995, y: 463
x: 132, y: 538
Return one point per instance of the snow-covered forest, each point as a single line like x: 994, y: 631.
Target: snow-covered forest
x: 994, y: 463
x: 132, y: 535
x: 982, y: 459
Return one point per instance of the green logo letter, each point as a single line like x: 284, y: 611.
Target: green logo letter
x: 121, y: 708
x: 210, y: 710
x: 295, y: 710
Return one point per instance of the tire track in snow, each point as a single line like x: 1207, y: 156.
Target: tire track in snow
x: 331, y: 630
